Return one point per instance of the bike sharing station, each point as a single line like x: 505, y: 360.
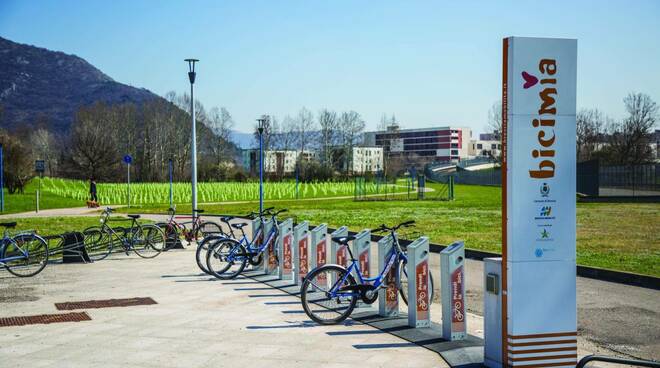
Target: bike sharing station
x: 529, y: 293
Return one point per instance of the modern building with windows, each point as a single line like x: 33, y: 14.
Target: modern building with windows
x: 366, y: 159
x: 275, y: 161
x: 485, y: 148
x: 427, y: 144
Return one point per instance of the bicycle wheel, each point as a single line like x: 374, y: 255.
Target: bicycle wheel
x: 316, y: 300
x: 226, y: 258
x: 147, y: 240
x: 30, y: 253
x: 200, y: 253
x: 403, y: 283
x: 171, y: 235
x: 97, y: 243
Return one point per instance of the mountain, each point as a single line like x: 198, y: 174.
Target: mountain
x: 49, y: 86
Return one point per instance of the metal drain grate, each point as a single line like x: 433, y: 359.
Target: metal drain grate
x: 109, y: 303
x: 44, y: 319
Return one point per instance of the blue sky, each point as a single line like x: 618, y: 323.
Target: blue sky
x: 428, y: 62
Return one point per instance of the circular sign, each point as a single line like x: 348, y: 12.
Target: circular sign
x: 128, y: 159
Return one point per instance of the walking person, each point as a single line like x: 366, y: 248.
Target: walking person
x: 92, y: 192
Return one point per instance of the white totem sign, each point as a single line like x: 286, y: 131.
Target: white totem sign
x: 538, y: 205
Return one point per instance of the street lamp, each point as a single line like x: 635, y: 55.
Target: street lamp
x: 191, y: 76
x: 262, y: 122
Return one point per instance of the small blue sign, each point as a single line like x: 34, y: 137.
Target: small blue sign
x: 128, y: 159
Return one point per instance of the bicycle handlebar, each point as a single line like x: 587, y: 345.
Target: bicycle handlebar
x: 384, y: 227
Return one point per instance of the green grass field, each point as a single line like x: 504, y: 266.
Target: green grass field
x: 621, y: 236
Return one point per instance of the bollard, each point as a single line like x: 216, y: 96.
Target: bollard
x: 338, y: 255
x: 285, y: 250
x: 361, y: 248
x: 319, y: 251
x: 255, y: 226
x: 300, y: 251
x: 388, y: 297
x: 270, y: 255
x: 417, y: 268
x: 452, y: 279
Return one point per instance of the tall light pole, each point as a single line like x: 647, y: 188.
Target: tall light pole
x: 262, y: 122
x: 191, y: 76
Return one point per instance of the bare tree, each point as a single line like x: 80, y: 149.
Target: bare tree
x: 629, y: 139
x: 17, y: 169
x: 43, y: 147
x: 589, y: 126
x: 329, y: 126
x: 495, y: 119
x: 351, y: 125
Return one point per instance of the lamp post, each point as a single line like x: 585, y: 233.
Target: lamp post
x: 262, y: 122
x: 191, y: 77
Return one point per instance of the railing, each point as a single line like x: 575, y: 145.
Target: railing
x: 599, y: 358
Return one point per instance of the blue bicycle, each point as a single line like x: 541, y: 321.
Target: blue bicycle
x: 23, y: 255
x: 329, y: 293
x: 227, y: 257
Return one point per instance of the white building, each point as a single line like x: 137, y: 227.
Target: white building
x: 366, y: 159
x: 275, y: 161
x: 481, y: 148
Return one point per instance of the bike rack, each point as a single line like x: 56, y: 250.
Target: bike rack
x: 388, y: 297
x: 338, y: 255
x: 417, y: 268
x: 452, y: 279
x: 285, y: 250
x: 71, y: 245
x: 270, y: 259
x: 362, y: 250
x: 319, y: 242
x: 600, y: 358
x: 300, y: 251
x: 255, y: 225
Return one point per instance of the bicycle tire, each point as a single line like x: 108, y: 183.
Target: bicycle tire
x: 200, y: 254
x: 30, y: 243
x: 403, y: 290
x: 97, y: 242
x: 306, y: 293
x: 215, y: 252
x: 150, y: 240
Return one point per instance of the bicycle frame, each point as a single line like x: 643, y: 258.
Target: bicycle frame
x: 253, y: 249
x: 396, y: 257
x: 6, y: 240
x: 125, y: 241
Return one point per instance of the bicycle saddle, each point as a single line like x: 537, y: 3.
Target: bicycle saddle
x: 226, y: 219
x: 343, y: 239
x: 239, y: 225
x: 198, y: 211
x: 8, y: 224
x: 134, y: 216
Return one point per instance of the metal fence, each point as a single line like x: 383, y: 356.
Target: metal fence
x: 593, y: 179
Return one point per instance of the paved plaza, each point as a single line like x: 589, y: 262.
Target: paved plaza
x: 199, y: 321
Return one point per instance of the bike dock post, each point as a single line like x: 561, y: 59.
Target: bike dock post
x: 300, y: 251
x: 256, y: 224
x: 338, y: 255
x: 270, y: 259
x: 417, y: 268
x: 319, y: 242
x: 362, y: 250
x: 388, y: 297
x: 452, y: 281
x: 285, y: 250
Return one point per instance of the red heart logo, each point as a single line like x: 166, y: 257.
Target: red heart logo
x: 530, y: 80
